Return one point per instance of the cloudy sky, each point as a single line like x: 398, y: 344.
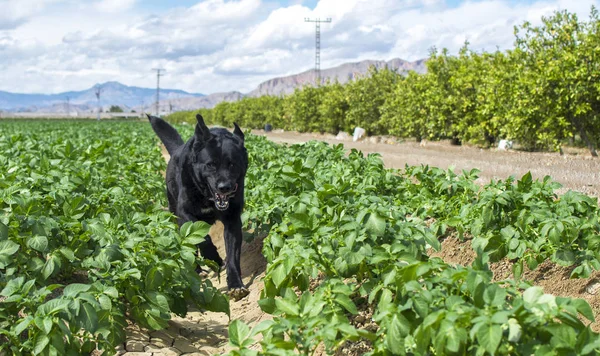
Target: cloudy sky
x: 50, y: 46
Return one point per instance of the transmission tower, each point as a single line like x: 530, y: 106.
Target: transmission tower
x: 317, y: 22
x: 98, y: 91
x: 158, y: 75
x: 68, y: 106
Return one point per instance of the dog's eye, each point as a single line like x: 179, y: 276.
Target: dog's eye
x: 211, y: 165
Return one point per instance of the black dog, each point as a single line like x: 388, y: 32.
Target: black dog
x: 205, y: 181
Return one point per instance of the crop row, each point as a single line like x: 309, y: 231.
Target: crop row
x: 347, y: 244
x: 85, y: 241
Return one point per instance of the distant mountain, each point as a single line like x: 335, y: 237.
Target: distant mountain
x: 132, y: 98
x: 342, y: 73
x: 113, y: 93
x: 286, y: 85
x: 192, y: 103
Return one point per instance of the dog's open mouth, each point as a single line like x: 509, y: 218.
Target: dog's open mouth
x: 222, y: 200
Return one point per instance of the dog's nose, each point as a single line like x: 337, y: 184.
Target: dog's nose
x: 225, y: 187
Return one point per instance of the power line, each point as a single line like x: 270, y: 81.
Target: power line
x: 317, y: 22
x: 158, y: 75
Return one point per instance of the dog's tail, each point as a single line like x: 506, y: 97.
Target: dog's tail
x: 167, y: 133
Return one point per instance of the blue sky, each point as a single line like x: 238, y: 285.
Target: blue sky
x: 49, y: 46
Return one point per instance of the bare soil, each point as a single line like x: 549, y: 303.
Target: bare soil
x: 205, y: 333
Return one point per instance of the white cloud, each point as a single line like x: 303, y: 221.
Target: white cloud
x: 222, y: 45
x: 114, y: 5
x: 16, y: 12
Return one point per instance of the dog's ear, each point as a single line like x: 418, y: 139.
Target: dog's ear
x: 202, y: 131
x: 238, y: 132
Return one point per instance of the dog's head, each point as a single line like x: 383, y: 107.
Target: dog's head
x: 220, y: 161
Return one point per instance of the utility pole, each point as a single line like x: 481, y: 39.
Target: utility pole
x: 97, y: 91
x: 68, y: 106
x: 158, y: 70
x: 317, y: 22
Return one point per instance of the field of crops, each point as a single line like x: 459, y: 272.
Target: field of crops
x: 85, y: 243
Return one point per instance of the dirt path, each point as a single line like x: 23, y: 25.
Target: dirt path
x: 201, y: 332
x: 576, y: 170
x: 205, y: 333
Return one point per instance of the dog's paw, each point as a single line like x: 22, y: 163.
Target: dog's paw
x: 238, y: 293
x: 202, y: 272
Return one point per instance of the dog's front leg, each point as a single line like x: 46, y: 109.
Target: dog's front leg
x: 233, y: 248
x: 207, y: 249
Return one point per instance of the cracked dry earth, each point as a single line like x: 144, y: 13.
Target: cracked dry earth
x: 205, y: 333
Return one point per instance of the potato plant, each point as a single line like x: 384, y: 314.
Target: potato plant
x: 85, y: 242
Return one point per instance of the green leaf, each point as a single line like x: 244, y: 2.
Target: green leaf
x: 300, y: 220
x: 517, y: 269
x: 262, y: 327
x: 105, y: 302
x: 40, y: 344
x: 159, y: 300
x: 238, y: 332
x: 195, y: 232
x: 584, y: 308
x: 279, y: 274
x: 22, y: 325
x: 8, y: 248
x: 287, y: 307
x: 13, y: 286
x: 3, y: 232
x: 390, y: 277
x: 375, y: 224
x: 154, y: 279
x: 489, y: 337
x: 88, y: 317
x: 514, y: 331
x: 112, y: 292
x: 38, y: 243
x: 398, y: 328
x: 346, y: 302
x: 73, y: 289
x: 68, y: 253
x: 44, y: 324
x: 48, y: 268
x: 564, y: 257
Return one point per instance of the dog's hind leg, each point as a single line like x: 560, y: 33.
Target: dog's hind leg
x: 209, y: 251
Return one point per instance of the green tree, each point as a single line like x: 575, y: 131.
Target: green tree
x: 556, y: 92
x: 333, y: 107
x: 366, y: 96
x: 301, y: 110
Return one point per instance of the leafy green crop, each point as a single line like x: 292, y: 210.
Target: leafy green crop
x: 346, y: 235
x: 85, y: 241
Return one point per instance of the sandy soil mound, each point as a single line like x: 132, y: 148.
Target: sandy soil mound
x: 548, y: 275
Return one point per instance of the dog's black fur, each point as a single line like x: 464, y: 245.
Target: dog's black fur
x: 205, y: 181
